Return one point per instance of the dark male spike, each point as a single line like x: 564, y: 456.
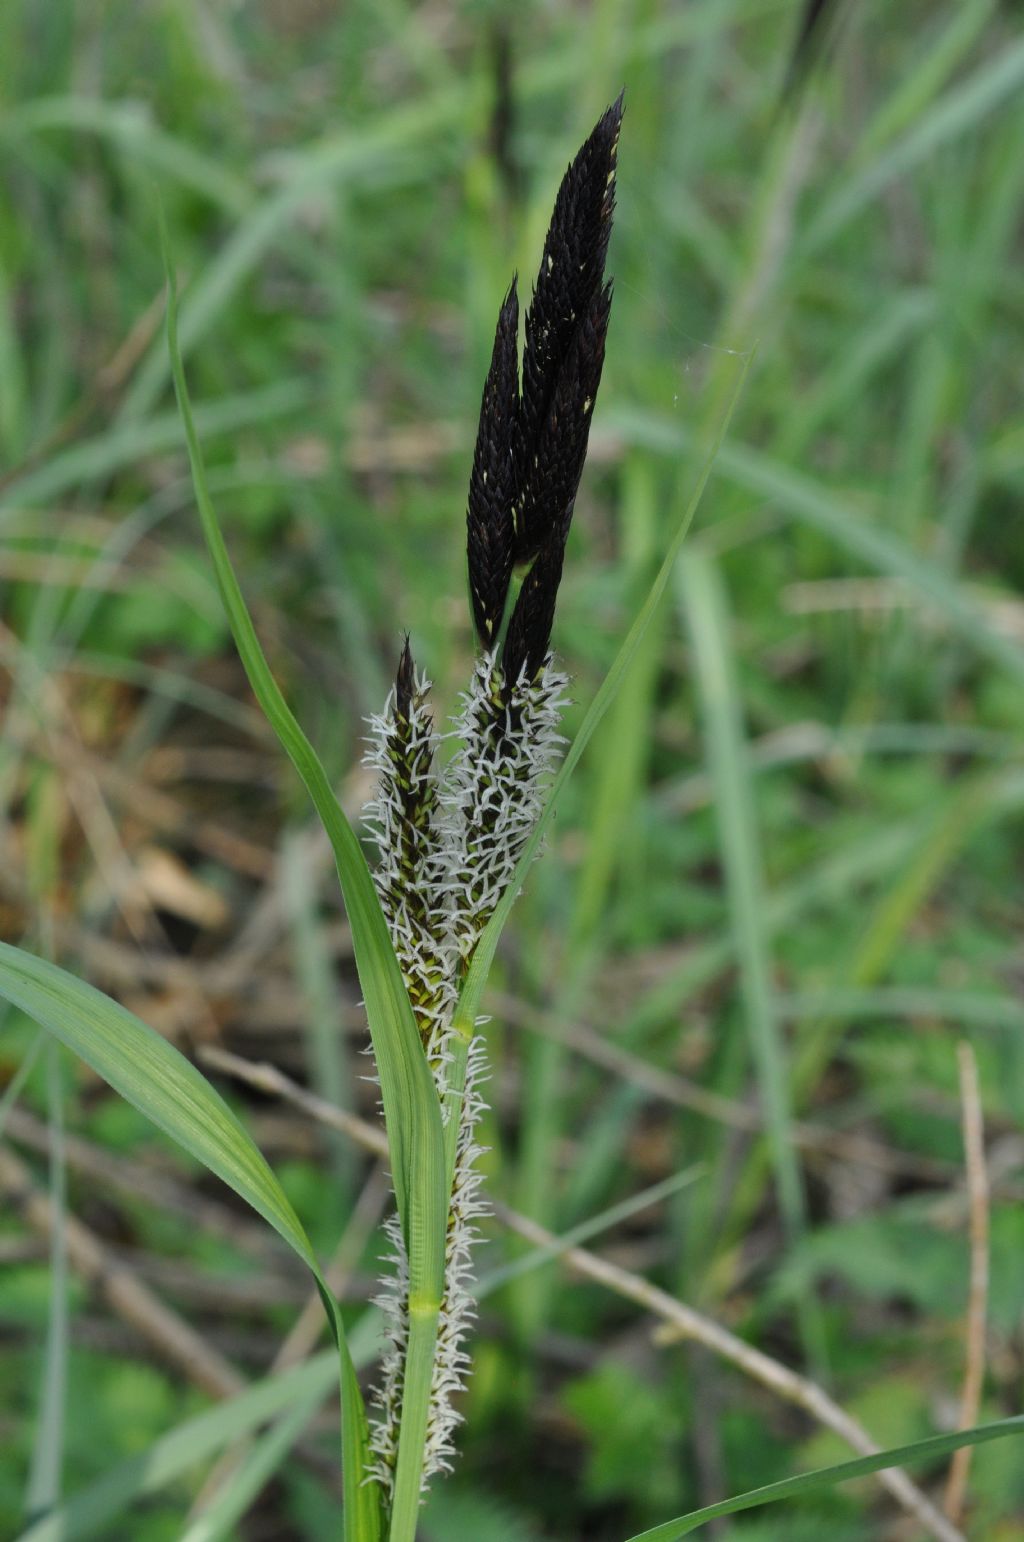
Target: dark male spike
x: 552, y: 478
x: 571, y: 274
x: 490, y: 527
x: 529, y: 630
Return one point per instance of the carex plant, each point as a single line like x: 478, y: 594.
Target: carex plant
x: 451, y: 829
x: 456, y: 824
x: 456, y: 833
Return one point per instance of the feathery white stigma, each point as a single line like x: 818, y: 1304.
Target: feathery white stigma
x: 451, y: 1362
x: 401, y: 818
x: 449, y: 849
x: 494, y: 790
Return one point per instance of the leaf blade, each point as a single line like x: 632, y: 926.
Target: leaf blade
x: 828, y: 1477
x: 158, y: 1080
x: 405, y: 1078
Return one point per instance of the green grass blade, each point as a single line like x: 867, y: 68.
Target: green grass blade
x: 415, y: 1137
x: 332, y: 161
x: 12, y: 1091
x: 585, y: 1231
x: 154, y: 1077
x: 969, y: 1008
x: 997, y: 80
x: 702, y: 601
x: 130, y: 127
x: 406, y: 1087
x: 157, y: 1080
x: 259, y: 1466
x: 914, y: 93
x: 191, y: 1444
x: 828, y: 1477
x: 823, y: 510
x: 326, y: 1048
x: 91, y: 460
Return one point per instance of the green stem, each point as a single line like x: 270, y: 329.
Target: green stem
x: 419, y: 1373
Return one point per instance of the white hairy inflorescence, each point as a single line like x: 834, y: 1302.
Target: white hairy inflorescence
x: 402, y: 820
x: 494, y: 789
x: 449, y: 846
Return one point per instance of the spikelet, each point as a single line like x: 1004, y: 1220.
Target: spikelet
x: 401, y: 818
x: 560, y: 384
x: 490, y: 519
x: 493, y: 792
x: 480, y: 818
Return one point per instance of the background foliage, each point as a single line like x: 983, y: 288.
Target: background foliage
x: 788, y: 870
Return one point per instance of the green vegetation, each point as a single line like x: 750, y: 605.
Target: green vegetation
x: 782, y: 889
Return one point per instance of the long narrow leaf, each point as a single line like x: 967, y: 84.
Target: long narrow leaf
x: 703, y: 604
x: 828, y: 1477
x: 415, y: 1137
x: 824, y: 510
x: 157, y: 1080
x: 188, y: 1445
x: 154, y: 1077
x: 406, y: 1087
x: 254, y: 1473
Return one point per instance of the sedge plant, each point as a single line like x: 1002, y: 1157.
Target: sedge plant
x: 451, y: 839
x: 455, y: 841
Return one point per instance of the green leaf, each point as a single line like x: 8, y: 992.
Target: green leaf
x: 188, y: 1445
x: 411, y: 1112
x: 232, y: 1500
x: 157, y: 1079
x: 828, y: 1477
x: 968, y: 103
x: 410, y: 1104
x: 44, y: 1485
x: 90, y: 460
x: 153, y: 1076
x: 703, y: 603
x: 822, y: 509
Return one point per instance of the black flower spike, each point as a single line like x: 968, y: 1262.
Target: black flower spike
x: 530, y: 450
x: 558, y: 465
x: 529, y: 630
x: 553, y: 476
x: 570, y: 279
x: 490, y: 529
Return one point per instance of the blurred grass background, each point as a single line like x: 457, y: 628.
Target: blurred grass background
x: 789, y: 871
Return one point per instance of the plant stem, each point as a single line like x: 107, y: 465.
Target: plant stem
x: 419, y: 1371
